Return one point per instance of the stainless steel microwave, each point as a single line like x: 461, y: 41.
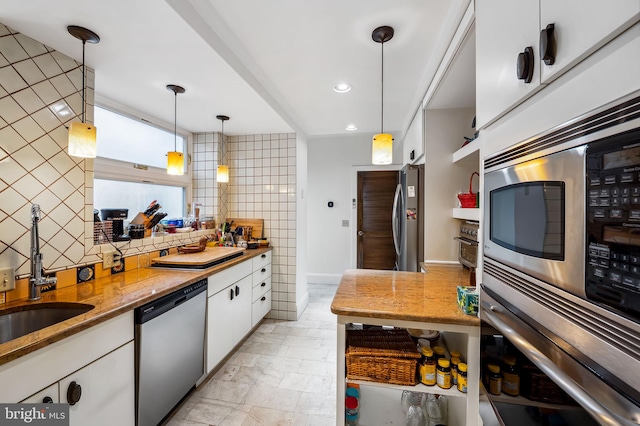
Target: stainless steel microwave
x: 561, y: 256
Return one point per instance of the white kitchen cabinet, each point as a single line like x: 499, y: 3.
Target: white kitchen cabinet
x: 107, y: 390
x: 504, y: 28
x: 228, y: 310
x: 583, y: 26
x: 48, y: 395
x: 261, y: 293
x: 101, y: 359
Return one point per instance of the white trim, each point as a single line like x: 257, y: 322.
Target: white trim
x: 323, y: 279
x: 301, y: 305
x: 466, y: 24
x: 354, y: 208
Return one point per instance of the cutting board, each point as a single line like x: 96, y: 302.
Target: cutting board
x: 209, y: 255
x: 257, y: 224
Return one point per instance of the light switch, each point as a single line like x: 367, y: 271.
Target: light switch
x: 7, y: 279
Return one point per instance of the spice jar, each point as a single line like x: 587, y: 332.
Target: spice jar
x: 438, y: 352
x: 455, y: 354
x: 443, y: 373
x: 495, y: 379
x: 427, y: 367
x: 510, y: 376
x: 462, y: 377
x: 454, y: 369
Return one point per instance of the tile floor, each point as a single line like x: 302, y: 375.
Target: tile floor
x: 284, y: 374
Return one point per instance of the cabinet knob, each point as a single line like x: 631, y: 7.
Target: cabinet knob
x: 263, y: 298
x: 74, y: 392
x: 263, y: 270
x: 237, y: 291
x: 548, y: 45
x: 524, y: 65
x: 264, y: 256
x: 47, y: 400
x: 231, y: 294
x: 263, y: 284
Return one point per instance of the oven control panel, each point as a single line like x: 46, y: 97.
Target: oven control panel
x: 613, y: 225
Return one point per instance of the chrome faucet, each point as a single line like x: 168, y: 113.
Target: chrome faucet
x: 37, y: 278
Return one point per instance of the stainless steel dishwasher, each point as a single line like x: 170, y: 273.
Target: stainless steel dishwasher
x: 170, y: 333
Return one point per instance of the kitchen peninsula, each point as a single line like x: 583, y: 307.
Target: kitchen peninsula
x: 410, y: 300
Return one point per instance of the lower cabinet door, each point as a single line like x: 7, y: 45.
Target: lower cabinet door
x: 103, y: 392
x: 45, y: 396
x: 242, y: 309
x: 260, y: 308
x: 220, y: 326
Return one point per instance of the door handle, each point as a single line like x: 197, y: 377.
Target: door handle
x: 237, y: 291
x: 360, y: 233
x: 74, y: 393
x: 231, y: 294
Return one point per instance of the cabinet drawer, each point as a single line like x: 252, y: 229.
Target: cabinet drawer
x: 220, y: 280
x: 262, y: 274
x: 260, y: 308
x: 260, y: 289
x: 260, y: 261
x: 38, y: 398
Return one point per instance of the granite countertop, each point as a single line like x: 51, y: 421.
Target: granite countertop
x: 111, y: 296
x: 410, y: 296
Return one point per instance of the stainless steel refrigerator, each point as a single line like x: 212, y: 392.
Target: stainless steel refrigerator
x: 407, y: 219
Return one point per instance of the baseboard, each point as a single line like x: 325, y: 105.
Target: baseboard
x: 302, y: 304
x: 324, y: 278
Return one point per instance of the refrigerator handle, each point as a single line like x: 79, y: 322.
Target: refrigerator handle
x: 395, y: 219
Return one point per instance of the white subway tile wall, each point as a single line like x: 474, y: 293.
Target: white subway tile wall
x: 262, y: 184
x: 40, y: 93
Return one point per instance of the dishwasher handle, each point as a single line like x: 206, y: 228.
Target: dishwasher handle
x: 180, y: 301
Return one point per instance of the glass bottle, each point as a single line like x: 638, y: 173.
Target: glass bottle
x: 495, y: 379
x: 443, y: 373
x: 427, y: 367
x: 510, y: 376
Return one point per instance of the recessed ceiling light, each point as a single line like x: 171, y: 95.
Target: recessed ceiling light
x: 351, y: 127
x: 342, y: 87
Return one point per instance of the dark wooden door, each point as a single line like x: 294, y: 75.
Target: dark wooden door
x: 375, y: 203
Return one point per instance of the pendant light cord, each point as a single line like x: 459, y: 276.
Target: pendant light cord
x: 175, y: 121
x: 84, y: 82
x: 382, y: 92
x: 222, y: 144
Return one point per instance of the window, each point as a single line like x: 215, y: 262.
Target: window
x: 134, y: 141
x: 135, y: 196
x: 130, y: 168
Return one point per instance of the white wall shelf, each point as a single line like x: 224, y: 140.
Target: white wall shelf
x: 467, y: 214
x: 469, y: 152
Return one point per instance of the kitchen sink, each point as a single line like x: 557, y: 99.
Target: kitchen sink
x: 21, y: 320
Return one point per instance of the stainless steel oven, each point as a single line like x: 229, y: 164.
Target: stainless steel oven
x: 561, y: 258
x: 468, y: 240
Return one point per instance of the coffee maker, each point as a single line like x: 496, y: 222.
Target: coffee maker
x: 117, y: 218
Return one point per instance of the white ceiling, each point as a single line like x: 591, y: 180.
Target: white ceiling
x: 269, y: 65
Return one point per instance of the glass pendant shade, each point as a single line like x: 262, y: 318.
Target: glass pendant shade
x: 223, y: 174
x: 82, y: 140
x: 175, y: 163
x: 382, y: 149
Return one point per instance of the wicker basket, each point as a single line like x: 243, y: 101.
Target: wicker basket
x: 385, y: 356
x: 538, y: 387
x: 468, y: 200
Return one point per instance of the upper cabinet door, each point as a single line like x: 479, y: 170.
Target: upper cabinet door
x: 583, y: 26
x: 504, y: 29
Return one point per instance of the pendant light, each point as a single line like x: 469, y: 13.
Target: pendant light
x: 382, y: 144
x: 82, y: 136
x: 223, y: 171
x: 175, y: 159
